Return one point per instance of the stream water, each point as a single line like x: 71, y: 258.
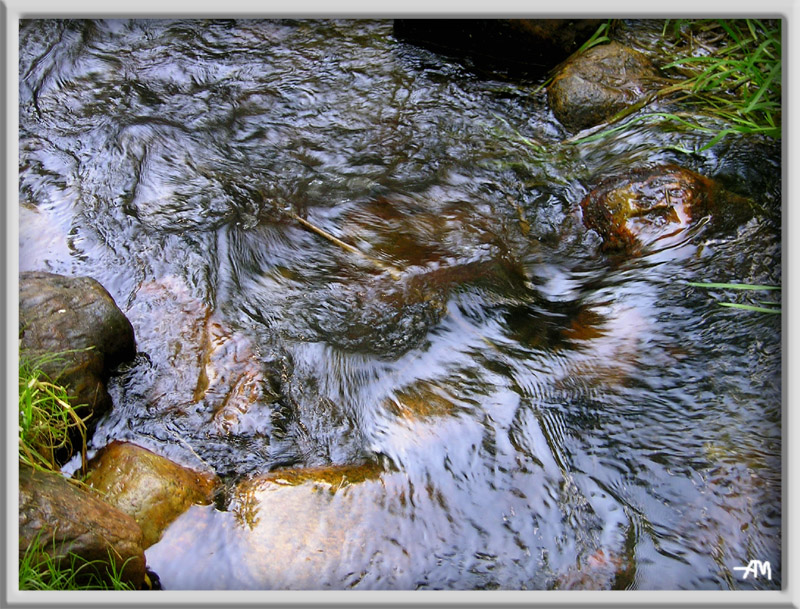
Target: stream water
x: 507, y: 407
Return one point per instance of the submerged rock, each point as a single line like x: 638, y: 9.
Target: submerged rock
x: 422, y: 400
x: 76, y: 318
x: 148, y: 487
x: 291, y: 529
x: 437, y: 247
x: 593, y: 86
x: 200, y: 386
x: 529, y: 46
x: 600, y: 571
x: 198, y: 359
x: 634, y: 211
x: 65, y: 519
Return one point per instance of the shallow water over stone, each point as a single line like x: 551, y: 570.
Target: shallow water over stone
x: 484, y: 398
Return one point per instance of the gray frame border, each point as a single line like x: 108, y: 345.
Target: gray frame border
x: 11, y: 11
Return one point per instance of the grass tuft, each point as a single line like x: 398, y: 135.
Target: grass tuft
x: 47, y: 420
x: 40, y: 570
x: 600, y: 36
x: 728, y: 69
x: 762, y: 307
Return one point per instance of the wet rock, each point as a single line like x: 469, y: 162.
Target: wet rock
x: 593, y: 86
x: 58, y: 314
x: 148, y: 487
x: 67, y: 519
x: 633, y: 211
x: 526, y: 46
x: 332, y: 477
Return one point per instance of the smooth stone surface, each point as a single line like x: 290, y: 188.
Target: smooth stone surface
x: 593, y: 86
x: 148, y: 487
x: 68, y: 519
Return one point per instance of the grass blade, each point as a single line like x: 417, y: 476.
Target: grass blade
x: 734, y: 305
x: 733, y: 286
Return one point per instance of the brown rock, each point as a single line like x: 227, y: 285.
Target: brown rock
x: 593, y: 86
x: 60, y: 314
x: 634, y: 211
x: 148, y: 487
x: 68, y: 519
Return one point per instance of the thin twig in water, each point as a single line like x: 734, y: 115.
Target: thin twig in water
x: 396, y: 274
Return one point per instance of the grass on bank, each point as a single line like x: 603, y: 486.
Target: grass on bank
x: 47, y: 425
x: 38, y: 570
x: 47, y: 421
x: 730, y: 71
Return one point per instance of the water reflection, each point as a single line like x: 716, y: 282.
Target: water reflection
x: 531, y: 413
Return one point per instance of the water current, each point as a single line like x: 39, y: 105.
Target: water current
x: 507, y: 406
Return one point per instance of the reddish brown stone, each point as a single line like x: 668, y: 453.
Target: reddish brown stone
x: 148, y: 487
x: 633, y: 211
x: 66, y: 519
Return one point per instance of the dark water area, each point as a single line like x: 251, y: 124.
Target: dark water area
x: 533, y: 413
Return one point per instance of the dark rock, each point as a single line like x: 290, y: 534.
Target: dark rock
x: 634, y: 211
x: 593, y: 86
x: 525, y: 46
x: 148, y: 487
x: 59, y: 314
x: 67, y: 519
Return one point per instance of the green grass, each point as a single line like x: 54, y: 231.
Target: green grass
x: 47, y: 424
x: 734, y: 79
x: 761, y: 306
x: 47, y: 420
x: 600, y: 36
x: 39, y: 570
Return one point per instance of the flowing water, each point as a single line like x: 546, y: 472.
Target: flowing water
x: 481, y: 398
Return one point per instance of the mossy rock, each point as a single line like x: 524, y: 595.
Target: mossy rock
x: 75, y: 324
x: 65, y: 518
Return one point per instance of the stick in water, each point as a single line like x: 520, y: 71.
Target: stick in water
x: 346, y: 246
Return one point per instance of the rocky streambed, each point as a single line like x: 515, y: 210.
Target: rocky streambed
x: 405, y: 354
